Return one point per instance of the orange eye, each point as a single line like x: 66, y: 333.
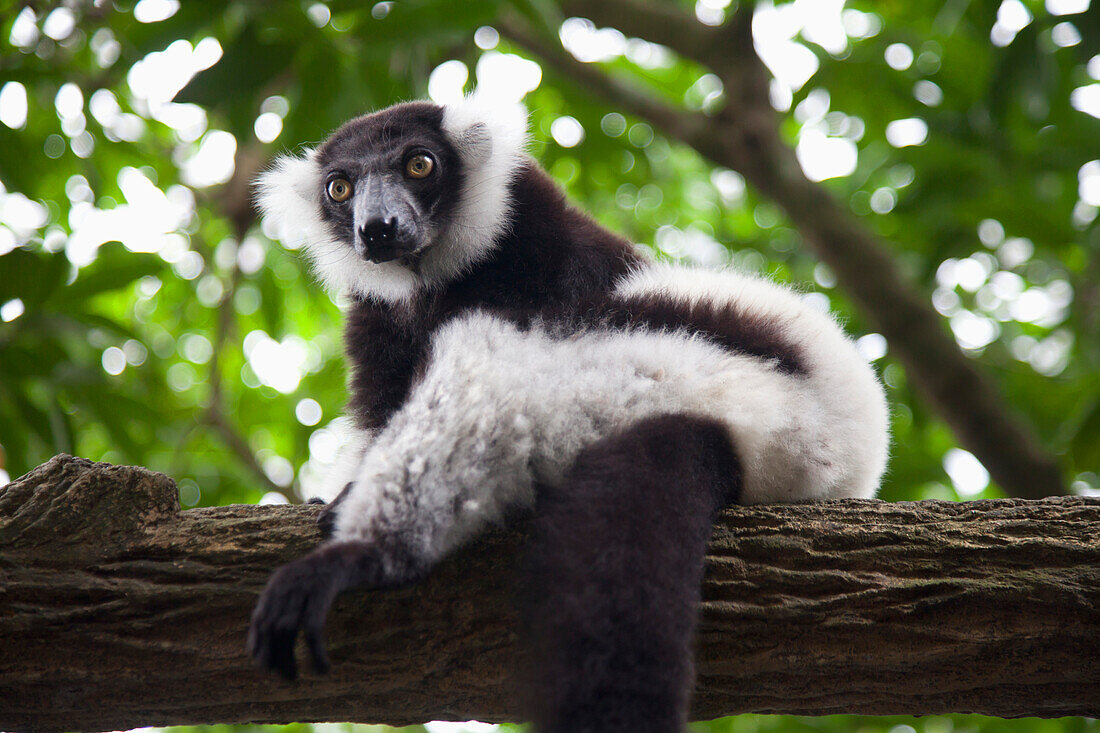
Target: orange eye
x: 339, y: 190
x: 419, y: 166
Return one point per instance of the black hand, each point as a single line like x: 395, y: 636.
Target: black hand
x: 297, y: 598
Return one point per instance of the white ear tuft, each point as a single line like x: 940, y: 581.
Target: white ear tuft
x: 286, y: 194
x: 504, y: 121
x: 491, y: 137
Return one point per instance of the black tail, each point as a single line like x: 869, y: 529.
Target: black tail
x: 616, y: 561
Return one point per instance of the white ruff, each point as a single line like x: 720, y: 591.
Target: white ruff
x: 490, y: 141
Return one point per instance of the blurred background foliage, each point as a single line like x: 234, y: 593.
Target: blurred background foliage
x: 146, y: 317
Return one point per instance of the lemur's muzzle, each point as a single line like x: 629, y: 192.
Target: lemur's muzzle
x: 379, y: 240
x: 386, y: 220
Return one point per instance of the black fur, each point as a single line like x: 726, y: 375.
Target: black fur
x: 615, y: 564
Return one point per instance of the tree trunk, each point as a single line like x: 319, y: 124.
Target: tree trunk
x: 119, y: 610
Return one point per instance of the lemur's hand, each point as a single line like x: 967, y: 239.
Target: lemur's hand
x: 298, y: 598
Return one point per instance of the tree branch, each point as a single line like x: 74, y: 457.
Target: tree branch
x: 745, y: 136
x: 664, y: 23
x: 119, y: 610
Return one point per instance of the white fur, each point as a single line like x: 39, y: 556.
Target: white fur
x: 491, y: 141
x: 485, y: 208
x: 500, y: 408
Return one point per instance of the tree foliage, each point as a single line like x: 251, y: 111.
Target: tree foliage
x: 140, y: 298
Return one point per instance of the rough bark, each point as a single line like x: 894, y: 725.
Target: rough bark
x: 119, y: 610
x: 745, y: 137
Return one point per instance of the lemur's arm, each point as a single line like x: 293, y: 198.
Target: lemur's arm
x: 453, y: 459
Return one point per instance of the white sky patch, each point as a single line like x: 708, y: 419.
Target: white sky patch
x: 117, y: 125
x: 447, y: 81
x: 590, y: 44
x: 928, y: 93
x: 967, y: 473
x: 105, y: 47
x: 822, y: 24
x: 114, y: 361
x: 280, y: 364
x: 858, y: 24
x: 909, y: 131
x: 147, y: 222
x: 1093, y: 67
x: 730, y: 185
x: 1044, y: 306
x: 1050, y: 356
x: 268, y: 126
x: 211, y: 162
x: 1086, y: 99
x: 59, y: 24
x: 991, y: 232
x: 5, y: 479
x: 308, y: 411
x: 898, y: 56
x: 823, y: 157
x: 871, y: 347
x: 1065, y: 35
x: 506, y: 77
x: 470, y: 726
x: 1088, y: 183
x: 1066, y: 7
x: 281, y: 473
x: 649, y: 55
x: 883, y: 200
x: 11, y: 310
x: 13, y: 105
x: 251, y: 256
x: 486, y: 37
x: 273, y: 497
x: 567, y: 131
x: 24, y: 30
x: 319, y: 14
x: 711, y: 12
x: 154, y: 11
x: 158, y: 77
x: 69, y: 101
x: 22, y: 215
x: 1012, y: 17
x: 773, y: 33
x: 973, y: 331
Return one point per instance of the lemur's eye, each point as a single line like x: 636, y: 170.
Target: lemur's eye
x: 339, y: 190
x: 419, y: 166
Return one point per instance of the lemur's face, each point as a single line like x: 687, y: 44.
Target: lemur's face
x: 402, y: 199
x: 389, y: 182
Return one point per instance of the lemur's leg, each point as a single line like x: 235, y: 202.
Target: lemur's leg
x: 617, y: 558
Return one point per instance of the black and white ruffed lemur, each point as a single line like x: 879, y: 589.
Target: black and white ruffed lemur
x: 509, y: 353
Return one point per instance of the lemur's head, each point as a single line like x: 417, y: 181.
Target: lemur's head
x: 400, y: 199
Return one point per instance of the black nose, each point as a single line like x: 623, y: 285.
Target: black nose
x: 378, y: 231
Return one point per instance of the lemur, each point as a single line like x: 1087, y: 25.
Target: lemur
x: 508, y: 353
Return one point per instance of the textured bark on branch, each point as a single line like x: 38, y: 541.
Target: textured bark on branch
x: 745, y: 137
x: 118, y: 610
